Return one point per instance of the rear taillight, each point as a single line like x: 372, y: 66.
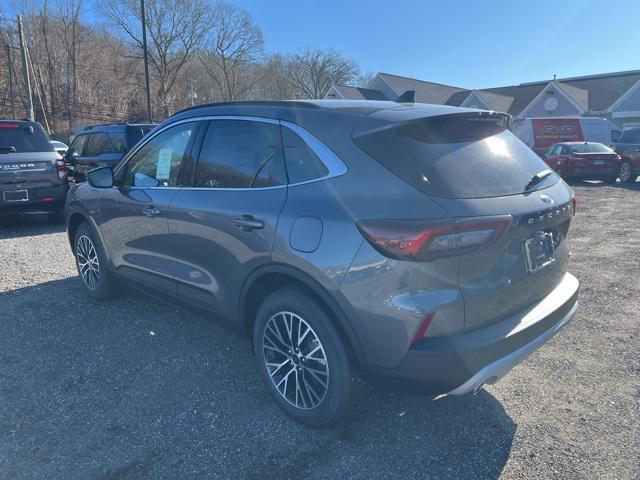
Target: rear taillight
x: 61, y: 167
x: 427, y: 240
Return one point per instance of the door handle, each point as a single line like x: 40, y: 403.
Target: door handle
x: 248, y: 222
x: 151, y: 211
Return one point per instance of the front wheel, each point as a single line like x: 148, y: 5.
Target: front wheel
x: 303, y: 359
x: 91, y: 263
x: 627, y: 174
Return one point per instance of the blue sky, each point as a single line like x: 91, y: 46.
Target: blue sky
x: 471, y: 44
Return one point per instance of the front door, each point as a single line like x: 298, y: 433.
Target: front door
x: 134, y: 214
x: 223, y: 227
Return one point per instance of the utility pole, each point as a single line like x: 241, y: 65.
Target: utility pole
x: 146, y: 61
x: 13, y: 98
x: 25, y: 70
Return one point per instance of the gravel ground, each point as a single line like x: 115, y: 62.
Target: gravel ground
x: 135, y: 389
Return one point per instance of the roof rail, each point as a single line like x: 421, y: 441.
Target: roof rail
x: 254, y: 103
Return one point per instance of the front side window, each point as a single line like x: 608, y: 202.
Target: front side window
x: 302, y: 163
x: 77, y: 147
x: 240, y: 154
x: 157, y: 163
x: 97, y: 144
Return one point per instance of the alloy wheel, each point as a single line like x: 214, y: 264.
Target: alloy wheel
x: 88, y: 263
x: 625, y: 172
x: 295, y: 359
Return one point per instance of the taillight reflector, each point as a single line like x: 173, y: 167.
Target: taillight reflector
x: 422, y: 329
x: 431, y: 239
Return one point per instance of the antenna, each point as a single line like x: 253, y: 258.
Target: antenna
x: 407, y: 97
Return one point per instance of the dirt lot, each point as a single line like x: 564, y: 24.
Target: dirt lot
x: 135, y: 389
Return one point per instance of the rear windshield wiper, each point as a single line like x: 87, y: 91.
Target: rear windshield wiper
x: 537, y: 178
x: 10, y: 149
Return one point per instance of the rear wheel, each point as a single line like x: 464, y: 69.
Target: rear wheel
x: 627, y: 174
x: 91, y: 263
x: 303, y: 359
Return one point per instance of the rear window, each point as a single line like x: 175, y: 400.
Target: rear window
x: 21, y: 138
x: 456, y: 156
x: 630, y: 136
x: 590, y: 148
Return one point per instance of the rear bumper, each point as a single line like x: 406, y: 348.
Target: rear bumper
x: 592, y: 173
x: 41, y: 198
x: 460, y: 364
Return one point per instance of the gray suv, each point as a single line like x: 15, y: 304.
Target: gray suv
x: 422, y: 247
x: 33, y: 176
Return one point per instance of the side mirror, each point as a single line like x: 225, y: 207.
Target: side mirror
x: 100, y: 177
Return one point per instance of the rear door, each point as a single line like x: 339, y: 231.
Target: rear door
x: 223, y: 226
x: 134, y: 214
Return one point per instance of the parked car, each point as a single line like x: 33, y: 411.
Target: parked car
x: 59, y: 147
x: 584, y: 161
x: 541, y: 133
x: 628, y: 147
x: 424, y: 246
x: 33, y: 177
x: 102, y: 145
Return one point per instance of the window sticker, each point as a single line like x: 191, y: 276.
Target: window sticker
x: 163, y: 170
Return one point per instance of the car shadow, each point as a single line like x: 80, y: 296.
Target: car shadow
x: 27, y: 225
x: 133, y: 388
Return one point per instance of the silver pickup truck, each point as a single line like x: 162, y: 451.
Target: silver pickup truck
x: 33, y: 176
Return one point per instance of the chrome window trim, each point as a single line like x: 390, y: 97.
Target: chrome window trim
x: 335, y: 166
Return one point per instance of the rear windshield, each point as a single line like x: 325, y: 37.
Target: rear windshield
x: 21, y: 138
x: 456, y: 156
x: 590, y: 148
x: 630, y: 136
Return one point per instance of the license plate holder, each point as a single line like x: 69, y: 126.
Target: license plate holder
x: 15, y: 196
x: 539, y: 251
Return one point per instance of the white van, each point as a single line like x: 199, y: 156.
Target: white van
x: 540, y: 133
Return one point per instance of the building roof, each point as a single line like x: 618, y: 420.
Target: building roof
x: 593, y: 93
x: 426, y: 92
x: 357, y: 93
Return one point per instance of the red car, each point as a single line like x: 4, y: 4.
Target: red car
x: 584, y: 161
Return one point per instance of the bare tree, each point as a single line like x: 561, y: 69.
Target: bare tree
x: 312, y: 72
x: 232, y: 51
x: 176, y: 28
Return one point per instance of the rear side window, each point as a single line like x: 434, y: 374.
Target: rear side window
x: 455, y: 156
x: 240, y: 154
x: 97, y: 144
x: 19, y: 138
x: 302, y: 163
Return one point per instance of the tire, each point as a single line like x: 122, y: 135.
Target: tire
x: 627, y: 175
x: 327, y: 390
x: 91, y: 263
